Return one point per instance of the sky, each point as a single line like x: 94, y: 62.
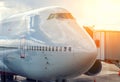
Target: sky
x: 85, y: 11
x: 24, y: 5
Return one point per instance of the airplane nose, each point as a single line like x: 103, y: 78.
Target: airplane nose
x: 86, y: 58
x: 91, y: 55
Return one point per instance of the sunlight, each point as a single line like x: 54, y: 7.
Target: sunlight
x: 107, y: 12
x: 102, y: 12
x: 4, y: 12
x: 1, y: 4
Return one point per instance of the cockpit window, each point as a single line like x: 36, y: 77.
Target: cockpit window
x: 60, y: 16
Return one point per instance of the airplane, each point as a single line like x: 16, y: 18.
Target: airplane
x: 46, y: 44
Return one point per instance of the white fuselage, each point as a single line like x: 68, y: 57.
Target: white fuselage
x: 48, y: 47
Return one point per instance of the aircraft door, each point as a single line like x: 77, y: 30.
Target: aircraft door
x: 22, y: 47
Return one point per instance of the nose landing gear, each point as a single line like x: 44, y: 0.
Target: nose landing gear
x: 5, y: 77
x: 61, y: 80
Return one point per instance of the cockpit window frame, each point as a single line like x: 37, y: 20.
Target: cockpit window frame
x: 60, y: 16
x: 51, y: 16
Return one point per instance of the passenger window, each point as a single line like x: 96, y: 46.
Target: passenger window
x: 32, y: 47
x: 56, y: 48
x: 53, y: 48
x: 60, y: 49
x: 65, y: 48
x: 40, y: 48
x: 69, y: 48
x: 46, y: 48
x: 49, y: 48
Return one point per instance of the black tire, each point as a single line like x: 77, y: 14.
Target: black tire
x: 30, y: 80
x: 63, y: 80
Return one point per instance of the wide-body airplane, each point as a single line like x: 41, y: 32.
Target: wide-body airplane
x: 46, y: 44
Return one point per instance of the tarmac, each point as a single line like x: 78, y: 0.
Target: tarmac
x: 109, y: 73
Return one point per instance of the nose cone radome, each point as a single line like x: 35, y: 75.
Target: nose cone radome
x: 87, y: 57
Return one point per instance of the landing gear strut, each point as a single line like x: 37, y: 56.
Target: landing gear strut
x: 6, y: 77
x: 31, y: 80
x: 61, y: 80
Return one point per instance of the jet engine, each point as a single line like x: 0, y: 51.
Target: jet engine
x: 95, y: 69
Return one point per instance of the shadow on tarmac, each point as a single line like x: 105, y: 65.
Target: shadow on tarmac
x: 109, y: 73
x: 99, y: 78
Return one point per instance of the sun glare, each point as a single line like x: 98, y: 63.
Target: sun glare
x: 107, y: 12
x: 102, y: 12
x: 1, y: 4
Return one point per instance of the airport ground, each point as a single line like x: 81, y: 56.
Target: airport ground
x: 109, y: 73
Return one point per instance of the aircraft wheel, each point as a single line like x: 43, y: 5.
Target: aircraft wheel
x: 63, y: 80
x: 30, y: 80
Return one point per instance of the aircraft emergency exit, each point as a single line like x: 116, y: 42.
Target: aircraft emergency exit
x: 46, y: 44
